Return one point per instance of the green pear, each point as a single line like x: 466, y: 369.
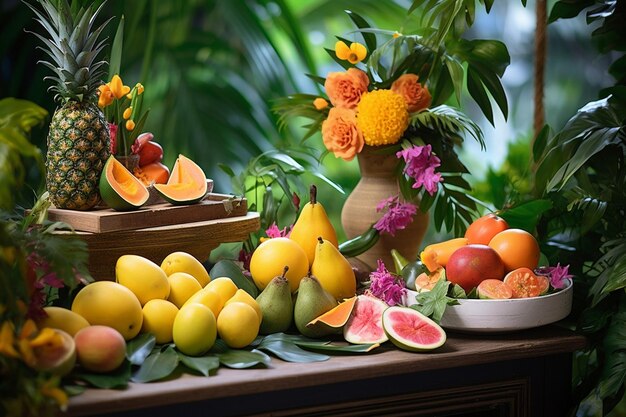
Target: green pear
x: 333, y: 270
x: 312, y: 301
x: 276, y: 304
x: 312, y: 222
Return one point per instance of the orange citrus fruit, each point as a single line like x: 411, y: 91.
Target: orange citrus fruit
x: 517, y: 249
x: 483, y: 229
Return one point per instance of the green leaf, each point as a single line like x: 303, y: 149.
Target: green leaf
x: 433, y: 303
x: 329, y: 347
x: 240, y: 359
x: 157, y: 366
x: 370, y: 39
x: 227, y: 268
x: 114, y: 379
x: 138, y: 348
x: 290, y: 352
x: 202, y: 364
x: 478, y: 93
x: 617, y: 276
x: 115, y: 58
x: 526, y: 215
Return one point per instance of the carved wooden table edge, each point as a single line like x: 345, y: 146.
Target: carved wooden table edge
x: 459, y: 351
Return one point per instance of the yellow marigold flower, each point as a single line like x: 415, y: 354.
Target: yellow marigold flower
x: 320, y: 103
x: 105, y: 96
x: 353, y: 54
x: 7, y: 339
x: 118, y: 88
x: 130, y: 125
x: 127, y: 113
x: 382, y: 117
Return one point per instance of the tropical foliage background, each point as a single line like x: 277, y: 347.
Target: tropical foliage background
x: 213, y: 69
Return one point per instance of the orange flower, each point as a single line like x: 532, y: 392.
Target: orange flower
x: 118, y: 88
x: 417, y: 96
x: 344, y: 89
x: 340, y: 133
x: 105, y: 96
x: 320, y: 103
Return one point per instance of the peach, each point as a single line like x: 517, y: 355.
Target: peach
x: 100, y: 348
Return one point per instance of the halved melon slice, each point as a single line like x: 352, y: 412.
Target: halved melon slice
x: 186, y: 185
x: 336, y: 317
x: 119, y: 188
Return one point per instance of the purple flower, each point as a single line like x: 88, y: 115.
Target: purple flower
x: 386, y: 286
x: 398, y: 215
x: 420, y: 165
x: 558, y: 275
x: 273, y: 231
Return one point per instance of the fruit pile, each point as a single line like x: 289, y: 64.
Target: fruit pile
x: 491, y: 260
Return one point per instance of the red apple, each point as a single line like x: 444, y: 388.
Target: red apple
x: 150, y: 152
x: 469, y: 265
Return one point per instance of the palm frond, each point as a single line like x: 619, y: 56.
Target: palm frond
x: 448, y: 122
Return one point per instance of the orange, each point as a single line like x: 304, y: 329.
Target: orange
x: 517, y: 249
x: 483, y: 229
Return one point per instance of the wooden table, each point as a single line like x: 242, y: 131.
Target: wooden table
x: 518, y: 374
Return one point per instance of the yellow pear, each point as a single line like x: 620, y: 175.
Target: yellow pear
x: 312, y: 222
x: 333, y: 270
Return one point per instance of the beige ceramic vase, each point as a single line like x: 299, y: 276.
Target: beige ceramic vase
x: 378, y: 182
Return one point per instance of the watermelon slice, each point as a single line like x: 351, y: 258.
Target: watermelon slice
x: 365, y: 323
x: 410, y: 330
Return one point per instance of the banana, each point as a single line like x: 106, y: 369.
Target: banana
x: 360, y: 243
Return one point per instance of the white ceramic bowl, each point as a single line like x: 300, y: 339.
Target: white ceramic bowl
x: 493, y: 316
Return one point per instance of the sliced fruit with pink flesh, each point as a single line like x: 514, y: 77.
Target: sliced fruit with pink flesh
x: 410, y: 330
x: 525, y: 283
x: 365, y: 322
x: 494, y: 289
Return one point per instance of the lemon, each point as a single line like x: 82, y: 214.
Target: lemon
x: 182, y: 286
x: 224, y: 287
x: 194, y: 329
x: 110, y: 304
x: 238, y: 324
x: 143, y: 277
x: 209, y: 298
x: 270, y: 258
x: 184, y: 262
x: 62, y: 319
x: 242, y: 296
x: 158, y: 319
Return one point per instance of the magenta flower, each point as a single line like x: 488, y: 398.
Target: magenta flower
x: 420, y: 165
x: 273, y: 231
x: 558, y: 275
x: 386, y: 286
x: 398, y: 215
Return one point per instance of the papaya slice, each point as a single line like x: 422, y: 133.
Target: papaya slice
x: 186, y: 184
x: 436, y: 255
x: 427, y: 281
x: 338, y: 316
x: 525, y: 283
x: 494, y: 289
x: 119, y: 188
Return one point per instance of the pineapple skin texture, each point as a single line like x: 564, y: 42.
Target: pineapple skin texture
x: 78, y: 147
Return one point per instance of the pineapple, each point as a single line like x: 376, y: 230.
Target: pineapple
x: 78, y: 139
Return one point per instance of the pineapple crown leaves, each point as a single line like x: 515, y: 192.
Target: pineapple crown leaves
x: 73, y: 48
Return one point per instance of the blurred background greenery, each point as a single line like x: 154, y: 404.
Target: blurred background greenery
x: 213, y: 67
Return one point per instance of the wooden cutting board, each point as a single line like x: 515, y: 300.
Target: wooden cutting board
x: 213, y: 206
